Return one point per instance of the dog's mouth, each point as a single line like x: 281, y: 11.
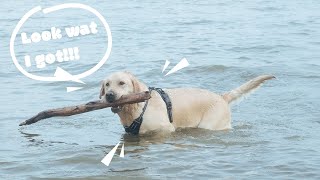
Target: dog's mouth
x: 116, y: 109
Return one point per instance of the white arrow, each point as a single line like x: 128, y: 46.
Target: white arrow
x: 70, y: 89
x: 182, y: 64
x: 63, y: 75
x: 165, y: 65
x: 107, y: 159
x: 122, y: 151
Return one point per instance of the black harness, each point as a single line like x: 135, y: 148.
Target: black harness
x: 135, y: 126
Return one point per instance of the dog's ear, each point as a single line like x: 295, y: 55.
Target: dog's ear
x: 136, y: 85
x: 135, y: 82
x: 102, y: 90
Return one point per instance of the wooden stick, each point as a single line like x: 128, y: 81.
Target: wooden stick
x: 90, y: 106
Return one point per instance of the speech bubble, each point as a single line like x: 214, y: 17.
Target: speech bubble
x: 50, y: 10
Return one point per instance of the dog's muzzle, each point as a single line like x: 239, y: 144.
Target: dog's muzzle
x: 110, y: 97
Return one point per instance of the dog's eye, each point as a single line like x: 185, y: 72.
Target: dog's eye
x: 107, y: 84
x: 121, y: 83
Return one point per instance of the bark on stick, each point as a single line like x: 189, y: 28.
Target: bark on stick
x: 90, y: 106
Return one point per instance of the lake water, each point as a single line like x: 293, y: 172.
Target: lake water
x: 275, y: 131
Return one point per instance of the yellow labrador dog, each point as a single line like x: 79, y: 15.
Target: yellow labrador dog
x: 191, y: 107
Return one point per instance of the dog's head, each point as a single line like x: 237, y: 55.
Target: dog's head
x: 119, y: 84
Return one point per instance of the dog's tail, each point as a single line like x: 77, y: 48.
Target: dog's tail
x: 246, y: 88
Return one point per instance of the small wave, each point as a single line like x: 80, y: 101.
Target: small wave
x: 295, y: 23
x: 197, y: 22
x: 127, y: 170
x: 207, y: 69
x: 244, y: 58
x: 259, y: 48
x: 294, y: 138
x: 266, y: 9
x: 243, y: 126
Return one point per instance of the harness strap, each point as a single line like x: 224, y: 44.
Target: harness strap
x: 165, y: 97
x: 134, y: 128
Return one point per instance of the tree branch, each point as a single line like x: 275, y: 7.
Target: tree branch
x: 90, y: 106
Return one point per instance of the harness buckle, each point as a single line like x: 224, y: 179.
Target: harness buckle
x: 137, y: 121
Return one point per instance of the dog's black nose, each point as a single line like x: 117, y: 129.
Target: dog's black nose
x: 110, y: 97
